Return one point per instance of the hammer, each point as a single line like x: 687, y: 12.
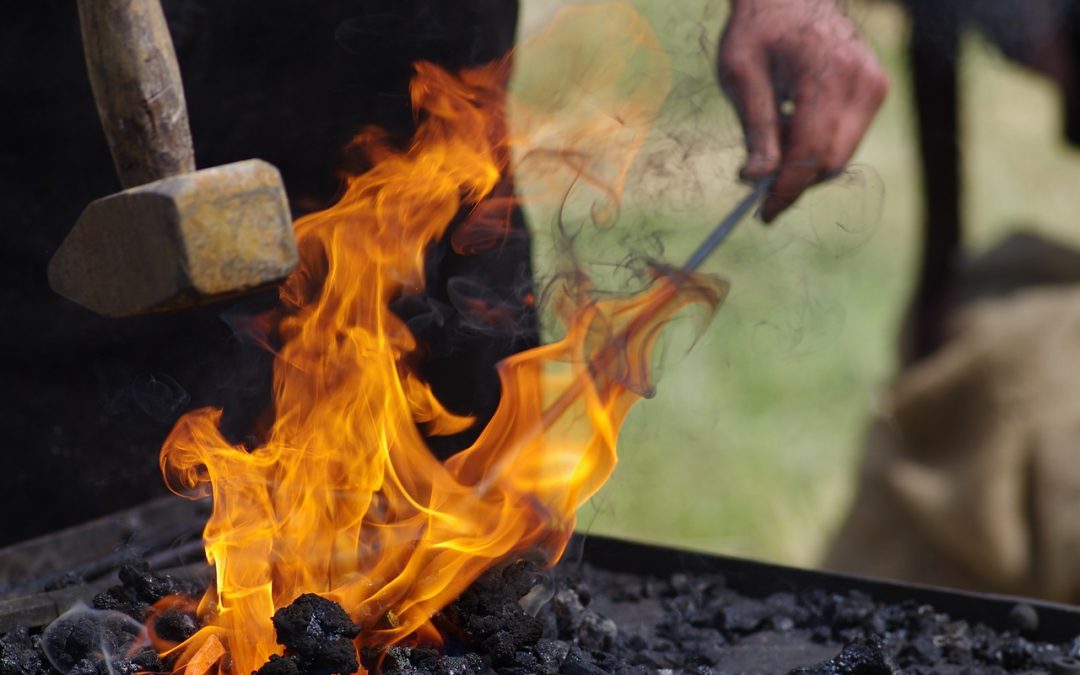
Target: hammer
x: 175, y: 237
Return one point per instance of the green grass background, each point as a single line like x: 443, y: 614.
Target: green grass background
x: 751, y: 445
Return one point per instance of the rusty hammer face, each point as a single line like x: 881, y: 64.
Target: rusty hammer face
x: 177, y: 237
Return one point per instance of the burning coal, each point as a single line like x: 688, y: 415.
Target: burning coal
x: 343, y: 498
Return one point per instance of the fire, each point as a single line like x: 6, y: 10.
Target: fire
x: 343, y: 498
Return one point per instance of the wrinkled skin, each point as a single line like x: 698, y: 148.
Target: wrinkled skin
x: 806, y: 87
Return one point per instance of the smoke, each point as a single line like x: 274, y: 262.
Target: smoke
x: 637, y: 160
x: 82, y: 638
x: 125, y: 390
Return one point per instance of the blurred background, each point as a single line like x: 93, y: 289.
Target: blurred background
x: 752, y: 444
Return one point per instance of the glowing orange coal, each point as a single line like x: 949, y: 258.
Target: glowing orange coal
x: 343, y: 498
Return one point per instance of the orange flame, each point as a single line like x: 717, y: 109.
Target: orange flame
x: 344, y: 499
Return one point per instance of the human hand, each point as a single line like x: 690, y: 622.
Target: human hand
x: 807, y: 54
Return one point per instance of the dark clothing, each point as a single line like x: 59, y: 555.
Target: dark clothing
x: 85, y: 401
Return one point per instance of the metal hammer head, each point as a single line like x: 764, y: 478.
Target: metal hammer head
x: 179, y: 241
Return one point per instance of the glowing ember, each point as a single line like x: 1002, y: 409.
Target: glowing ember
x: 344, y: 499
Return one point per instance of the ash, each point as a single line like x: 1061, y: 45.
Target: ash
x: 519, y: 619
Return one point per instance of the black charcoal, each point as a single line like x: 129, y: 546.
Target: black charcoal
x: 175, y: 626
x: 595, y: 622
x: 863, y: 657
x: 317, y: 635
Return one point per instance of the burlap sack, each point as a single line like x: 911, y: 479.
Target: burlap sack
x: 971, y: 471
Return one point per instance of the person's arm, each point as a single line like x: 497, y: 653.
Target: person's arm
x: 808, y: 55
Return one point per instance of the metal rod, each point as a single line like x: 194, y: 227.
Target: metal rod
x: 617, y: 343
x: 718, y: 235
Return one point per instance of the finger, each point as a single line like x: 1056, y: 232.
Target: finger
x: 744, y: 75
x: 818, y: 106
x: 791, y: 181
x: 866, y: 96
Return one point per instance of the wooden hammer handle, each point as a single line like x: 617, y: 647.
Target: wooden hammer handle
x: 137, y: 88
